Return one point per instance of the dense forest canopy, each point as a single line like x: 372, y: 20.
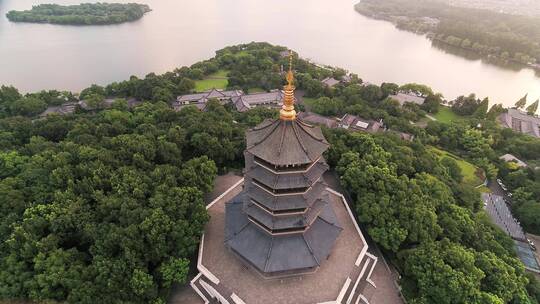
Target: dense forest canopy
x: 509, y: 37
x: 105, y: 205
x: 82, y: 14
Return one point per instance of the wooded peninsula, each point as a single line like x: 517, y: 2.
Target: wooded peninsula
x: 106, y: 203
x: 510, y: 38
x: 82, y: 14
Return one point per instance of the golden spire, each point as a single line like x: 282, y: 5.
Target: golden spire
x: 287, y: 110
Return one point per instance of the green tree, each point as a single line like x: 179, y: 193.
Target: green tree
x: 505, y: 280
x: 200, y: 173
x: 520, y: 104
x: 162, y: 94
x: 8, y: 95
x: 93, y: 89
x: 466, y: 105
x: 174, y: 271
x: 141, y: 282
x: 27, y: 106
x: 453, y: 168
x: 95, y: 101
x: 482, y: 109
x: 371, y: 93
x: 394, y: 207
x: 11, y: 163
x: 432, y: 103
x: 415, y: 87
x: 533, y: 107
x: 529, y: 216
x: 476, y: 144
x: 495, y: 111
x: 327, y: 106
x: 445, y: 272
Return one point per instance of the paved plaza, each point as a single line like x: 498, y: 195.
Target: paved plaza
x: 325, y: 284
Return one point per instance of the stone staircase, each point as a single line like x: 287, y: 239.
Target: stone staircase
x: 359, y: 291
x: 356, y: 292
x: 212, y: 293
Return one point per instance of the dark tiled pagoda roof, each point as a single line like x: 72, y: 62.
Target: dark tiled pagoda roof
x: 280, y: 253
x: 284, y: 202
x: 286, y: 142
x: 286, y: 181
x: 287, y: 221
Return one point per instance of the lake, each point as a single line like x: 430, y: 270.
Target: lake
x: 181, y: 32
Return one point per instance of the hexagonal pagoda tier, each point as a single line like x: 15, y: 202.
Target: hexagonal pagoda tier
x: 282, y: 223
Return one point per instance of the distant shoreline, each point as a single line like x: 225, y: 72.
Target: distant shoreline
x: 428, y: 26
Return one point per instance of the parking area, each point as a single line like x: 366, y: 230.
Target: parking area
x: 495, y: 188
x: 501, y: 216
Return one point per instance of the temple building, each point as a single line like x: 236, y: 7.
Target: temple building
x: 241, y: 102
x: 281, y: 235
x: 284, y: 208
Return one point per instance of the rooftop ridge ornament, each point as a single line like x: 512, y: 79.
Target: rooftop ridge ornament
x: 287, y: 110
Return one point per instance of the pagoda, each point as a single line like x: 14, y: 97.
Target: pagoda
x: 280, y: 234
x: 282, y: 223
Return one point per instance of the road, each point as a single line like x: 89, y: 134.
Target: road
x: 495, y: 188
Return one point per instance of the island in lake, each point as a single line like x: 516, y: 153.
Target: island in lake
x: 81, y: 14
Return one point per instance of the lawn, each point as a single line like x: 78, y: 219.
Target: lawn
x: 219, y: 74
x: 446, y: 115
x: 469, y: 171
x: 217, y: 80
x: 256, y: 90
x: 484, y: 189
x: 422, y: 123
x: 208, y: 84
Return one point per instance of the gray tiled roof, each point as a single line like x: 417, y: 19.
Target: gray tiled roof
x: 403, y: 98
x: 285, y: 143
x: 317, y: 119
x: 65, y: 108
x: 355, y: 123
x: 192, y: 97
x: 215, y: 94
x: 287, y: 181
x: 285, y: 202
x: 283, y: 253
x: 204, y: 96
x: 329, y: 81
x: 286, y: 221
x: 512, y: 158
x: 263, y: 98
x: 246, y: 102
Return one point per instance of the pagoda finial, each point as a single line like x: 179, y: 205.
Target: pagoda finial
x: 287, y: 110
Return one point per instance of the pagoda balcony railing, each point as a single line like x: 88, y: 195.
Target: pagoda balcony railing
x: 285, y: 212
x: 284, y: 169
x: 280, y: 231
x: 290, y: 191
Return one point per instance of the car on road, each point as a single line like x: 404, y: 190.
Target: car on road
x: 499, y: 181
x: 531, y: 244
